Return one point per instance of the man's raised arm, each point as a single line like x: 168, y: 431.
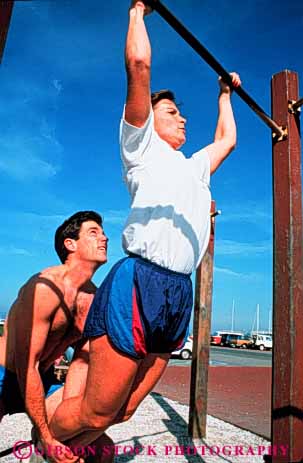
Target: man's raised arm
x: 226, y: 133
x: 138, y: 63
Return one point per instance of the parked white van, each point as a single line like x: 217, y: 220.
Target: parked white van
x: 262, y: 341
x: 186, y: 352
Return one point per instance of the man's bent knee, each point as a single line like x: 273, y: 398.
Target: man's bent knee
x: 92, y: 420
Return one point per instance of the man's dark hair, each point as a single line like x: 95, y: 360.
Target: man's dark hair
x: 71, y: 228
x: 162, y: 95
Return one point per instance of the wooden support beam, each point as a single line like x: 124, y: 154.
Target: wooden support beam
x: 202, y: 321
x: 287, y: 384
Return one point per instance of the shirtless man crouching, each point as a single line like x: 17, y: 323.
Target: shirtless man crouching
x: 47, y: 317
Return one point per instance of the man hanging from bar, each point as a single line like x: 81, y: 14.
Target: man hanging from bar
x: 142, y: 310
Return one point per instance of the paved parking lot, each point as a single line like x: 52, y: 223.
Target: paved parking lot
x: 240, y: 395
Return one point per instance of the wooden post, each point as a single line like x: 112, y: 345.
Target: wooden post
x: 202, y: 320
x: 6, y: 8
x: 287, y: 384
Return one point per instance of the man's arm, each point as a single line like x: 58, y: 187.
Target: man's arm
x: 138, y: 63
x: 226, y: 133
x: 40, y: 303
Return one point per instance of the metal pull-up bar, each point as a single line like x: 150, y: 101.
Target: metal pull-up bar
x: 214, y: 64
x: 295, y: 106
x: 5, y: 16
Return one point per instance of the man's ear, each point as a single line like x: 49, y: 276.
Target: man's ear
x: 70, y: 244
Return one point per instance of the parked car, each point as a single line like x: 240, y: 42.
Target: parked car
x: 262, y: 341
x: 216, y: 337
x: 238, y: 340
x: 185, y: 353
x: 224, y: 337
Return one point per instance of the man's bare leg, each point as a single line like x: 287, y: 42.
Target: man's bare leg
x: 109, y: 381
x: 149, y: 373
x: 52, y: 402
x: 74, y: 386
x: 112, y: 379
x: 74, y: 383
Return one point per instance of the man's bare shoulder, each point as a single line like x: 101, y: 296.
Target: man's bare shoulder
x: 55, y: 273
x: 49, y: 280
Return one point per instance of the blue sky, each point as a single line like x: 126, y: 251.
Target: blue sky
x: 62, y: 89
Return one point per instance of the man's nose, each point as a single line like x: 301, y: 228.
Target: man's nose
x: 103, y: 239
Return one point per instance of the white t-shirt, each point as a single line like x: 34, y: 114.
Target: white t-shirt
x: 169, y: 221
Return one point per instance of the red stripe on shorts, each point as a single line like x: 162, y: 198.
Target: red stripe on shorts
x: 179, y: 342
x: 138, y: 334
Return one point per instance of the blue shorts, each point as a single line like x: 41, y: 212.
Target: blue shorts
x: 10, y: 393
x: 142, y: 307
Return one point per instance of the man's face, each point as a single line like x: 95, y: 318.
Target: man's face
x: 169, y: 124
x: 92, y: 243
